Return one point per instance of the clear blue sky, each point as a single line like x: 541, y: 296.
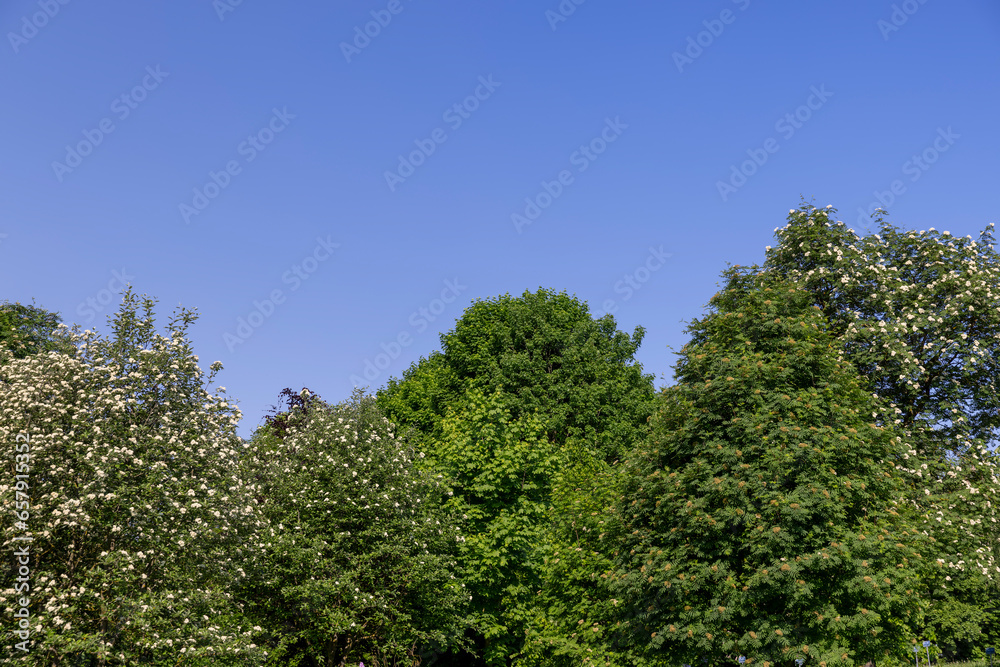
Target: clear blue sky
x: 115, y: 114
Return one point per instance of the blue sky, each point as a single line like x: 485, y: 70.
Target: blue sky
x: 216, y: 155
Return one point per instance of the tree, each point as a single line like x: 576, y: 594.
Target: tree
x: 26, y: 330
x: 764, y: 515
x: 571, y: 620
x: 359, y: 554
x: 544, y: 353
x: 501, y: 469
x: 138, y: 525
x: 523, y: 388
x: 916, y: 313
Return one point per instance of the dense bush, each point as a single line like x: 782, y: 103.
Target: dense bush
x: 358, y: 561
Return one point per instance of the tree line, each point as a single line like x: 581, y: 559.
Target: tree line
x: 818, y: 485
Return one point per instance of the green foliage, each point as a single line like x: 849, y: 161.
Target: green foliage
x: 501, y: 470
x: 762, y: 518
x: 543, y: 353
x: 27, y: 330
x: 916, y: 313
x: 525, y: 389
x: 359, y: 555
x: 572, y: 614
x: 139, y: 526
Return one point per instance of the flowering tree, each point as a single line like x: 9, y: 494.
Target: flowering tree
x: 917, y: 313
x: 763, y: 517
x: 358, y: 560
x: 131, y: 521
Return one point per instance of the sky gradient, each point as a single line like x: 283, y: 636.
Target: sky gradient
x: 331, y: 185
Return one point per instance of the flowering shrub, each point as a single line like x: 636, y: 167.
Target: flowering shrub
x: 139, y: 524
x: 358, y: 558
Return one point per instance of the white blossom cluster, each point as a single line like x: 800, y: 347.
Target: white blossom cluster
x: 340, y: 490
x: 139, y: 520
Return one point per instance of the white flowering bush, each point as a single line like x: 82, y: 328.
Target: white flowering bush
x: 138, y: 524
x: 358, y: 561
x: 956, y: 502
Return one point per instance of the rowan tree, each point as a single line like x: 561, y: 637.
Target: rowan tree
x: 764, y: 516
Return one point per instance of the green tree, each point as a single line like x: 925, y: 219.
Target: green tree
x: 501, y: 469
x: 523, y: 388
x: 916, y: 313
x: 359, y: 553
x: 139, y: 525
x: 571, y: 620
x: 545, y: 354
x: 763, y: 517
x: 26, y: 330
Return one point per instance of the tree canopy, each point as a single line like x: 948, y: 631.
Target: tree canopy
x: 523, y: 389
x: 27, y: 330
x: 821, y: 483
x: 916, y: 313
x: 543, y: 352
x: 359, y: 553
x: 763, y: 515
